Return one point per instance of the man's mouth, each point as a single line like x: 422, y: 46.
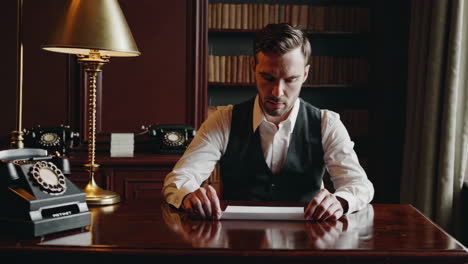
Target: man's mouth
x: 276, y: 104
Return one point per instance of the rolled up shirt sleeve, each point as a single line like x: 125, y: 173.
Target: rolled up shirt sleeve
x: 349, y: 178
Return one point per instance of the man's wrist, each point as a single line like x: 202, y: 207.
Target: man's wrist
x: 344, y: 204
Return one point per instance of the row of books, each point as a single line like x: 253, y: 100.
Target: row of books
x: 305, y: 17
x: 338, y: 70
x: 230, y: 69
x: 323, y: 70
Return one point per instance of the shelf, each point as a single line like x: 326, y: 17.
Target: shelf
x: 309, y: 32
x: 304, y: 86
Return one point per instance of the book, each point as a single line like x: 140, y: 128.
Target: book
x: 287, y: 14
x: 294, y: 15
x: 228, y: 72
x: 266, y: 15
x: 232, y: 16
x: 238, y: 20
x: 251, y: 10
x: 222, y: 69
x: 210, y: 15
x: 282, y: 14
x: 211, y: 77
x: 240, y: 69
x: 319, y: 18
x: 244, y: 16
x: 235, y: 69
x: 225, y: 16
x: 303, y: 16
x: 259, y: 16
x: 219, y: 16
x: 216, y: 68
x: 275, y: 17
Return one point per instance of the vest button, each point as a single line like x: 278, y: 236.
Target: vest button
x: 272, y: 185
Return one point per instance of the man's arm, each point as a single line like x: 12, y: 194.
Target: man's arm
x: 349, y: 178
x: 198, y: 161
x: 353, y: 190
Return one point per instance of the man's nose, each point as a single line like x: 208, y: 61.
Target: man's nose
x: 278, y: 88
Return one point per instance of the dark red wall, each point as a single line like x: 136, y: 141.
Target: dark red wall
x: 155, y: 87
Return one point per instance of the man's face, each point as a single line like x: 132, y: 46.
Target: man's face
x: 279, y: 80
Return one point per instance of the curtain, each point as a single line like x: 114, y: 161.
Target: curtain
x: 435, y: 150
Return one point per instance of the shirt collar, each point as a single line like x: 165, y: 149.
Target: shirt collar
x: 259, y: 117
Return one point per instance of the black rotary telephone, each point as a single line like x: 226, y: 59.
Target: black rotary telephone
x: 54, y: 138
x: 36, y: 196
x: 170, y: 138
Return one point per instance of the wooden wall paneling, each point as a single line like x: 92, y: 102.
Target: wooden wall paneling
x: 8, y: 71
x: 45, y: 82
x: 139, y: 183
x: 197, y: 76
x: 166, y: 84
x: 163, y: 85
x: 156, y: 86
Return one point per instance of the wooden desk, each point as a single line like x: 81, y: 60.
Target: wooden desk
x: 151, y: 230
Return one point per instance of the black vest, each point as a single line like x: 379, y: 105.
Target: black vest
x: 245, y: 174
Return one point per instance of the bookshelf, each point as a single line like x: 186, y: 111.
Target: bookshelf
x: 341, y: 39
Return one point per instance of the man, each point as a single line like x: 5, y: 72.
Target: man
x: 274, y: 147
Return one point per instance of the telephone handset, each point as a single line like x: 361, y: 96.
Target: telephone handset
x: 54, y: 138
x: 36, y: 195
x: 170, y: 138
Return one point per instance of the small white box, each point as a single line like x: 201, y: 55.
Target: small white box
x: 122, y: 145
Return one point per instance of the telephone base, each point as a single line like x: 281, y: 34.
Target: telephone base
x: 46, y: 226
x: 35, y: 195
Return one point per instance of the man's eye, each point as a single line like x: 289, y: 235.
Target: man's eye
x: 268, y: 78
x: 291, y: 80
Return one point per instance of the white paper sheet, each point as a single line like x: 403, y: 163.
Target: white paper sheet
x: 263, y: 213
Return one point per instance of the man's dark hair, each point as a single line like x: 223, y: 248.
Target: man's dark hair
x: 280, y: 39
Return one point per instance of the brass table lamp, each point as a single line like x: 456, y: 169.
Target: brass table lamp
x: 16, y: 140
x: 94, y: 30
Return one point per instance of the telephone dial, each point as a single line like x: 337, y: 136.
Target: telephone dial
x: 36, y: 196
x: 54, y: 139
x: 170, y: 138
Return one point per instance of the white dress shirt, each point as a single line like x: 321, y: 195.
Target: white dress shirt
x: 196, y: 165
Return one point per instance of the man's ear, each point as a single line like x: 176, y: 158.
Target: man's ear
x: 306, y: 72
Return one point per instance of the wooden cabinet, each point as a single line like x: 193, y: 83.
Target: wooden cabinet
x: 137, y: 178
x: 139, y: 183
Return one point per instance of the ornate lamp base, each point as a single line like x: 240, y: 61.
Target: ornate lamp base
x: 95, y: 195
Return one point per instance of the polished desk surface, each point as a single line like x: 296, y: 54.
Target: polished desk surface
x: 379, y: 233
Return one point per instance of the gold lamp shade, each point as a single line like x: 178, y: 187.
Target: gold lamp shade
x: 93, y: 25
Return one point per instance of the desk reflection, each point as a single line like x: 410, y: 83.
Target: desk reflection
x: 350, y: 232
x: 87, y: 236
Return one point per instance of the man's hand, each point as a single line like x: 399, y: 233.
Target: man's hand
x: 325, y: 206
x: 202, y: 233
x: 324, y: 234
x: 203, y: 203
